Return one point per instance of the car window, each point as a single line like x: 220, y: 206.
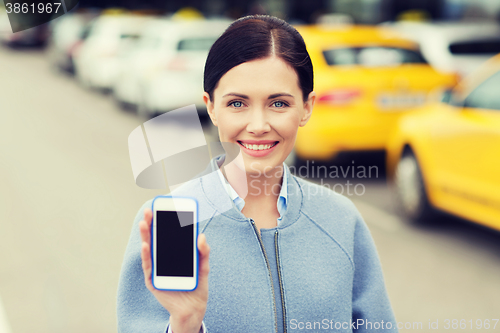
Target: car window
x: 373, y: 56
x: 130, y: 36
x: 486, y: 95
x: 196, y: 44
x: 476, y: 47
x: 85, y: 32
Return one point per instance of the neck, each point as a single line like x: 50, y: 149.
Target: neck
x: 254, y: 187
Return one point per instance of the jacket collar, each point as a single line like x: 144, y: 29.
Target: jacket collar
x: 211, y: 184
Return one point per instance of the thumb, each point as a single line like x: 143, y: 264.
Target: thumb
x: 204, y: 251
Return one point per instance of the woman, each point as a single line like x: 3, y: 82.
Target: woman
x: 286, y: 254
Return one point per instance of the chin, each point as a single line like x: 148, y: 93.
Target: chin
x: 259, y: 167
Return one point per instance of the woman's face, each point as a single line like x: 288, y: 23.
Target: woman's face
x: 258, y: 105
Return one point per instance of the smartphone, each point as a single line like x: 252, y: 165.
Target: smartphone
x: 174, y: 236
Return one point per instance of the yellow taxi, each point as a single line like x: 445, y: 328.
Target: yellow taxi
x: 446, y: 156
x: 366, y: 77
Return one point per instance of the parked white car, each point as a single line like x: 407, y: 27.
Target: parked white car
x: 151, y: 53
x: 67, y: 32
x: 97, y: 60
x: 458, y: 47
x: 176, y: 77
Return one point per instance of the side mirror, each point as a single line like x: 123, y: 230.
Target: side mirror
x: 446, y: 96
x: 451, y: 98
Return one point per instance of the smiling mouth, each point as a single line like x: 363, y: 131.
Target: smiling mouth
x: 258, y: 147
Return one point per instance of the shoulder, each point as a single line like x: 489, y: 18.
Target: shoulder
x: 333, y: 213
x: 322, y: 200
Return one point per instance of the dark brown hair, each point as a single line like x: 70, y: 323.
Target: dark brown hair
x: 256, y: 37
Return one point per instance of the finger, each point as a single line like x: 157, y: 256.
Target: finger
x: 204, y: 254
x: 148, y: 216
x: 202, y: 245
x: 146, y: 264
x: 145, y: 232
x: 146, y: 258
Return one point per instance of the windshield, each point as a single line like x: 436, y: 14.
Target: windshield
x: 373, y: 56
x: 196, y: 44
x: 491, y: 46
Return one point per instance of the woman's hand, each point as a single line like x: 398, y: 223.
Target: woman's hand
x: 186, y: 308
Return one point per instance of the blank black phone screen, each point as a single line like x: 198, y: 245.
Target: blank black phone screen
x: 174, y: 250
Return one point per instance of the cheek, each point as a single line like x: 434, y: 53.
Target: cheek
x: 229, y: 127
x: 287, y: 127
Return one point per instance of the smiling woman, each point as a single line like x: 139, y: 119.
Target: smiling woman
x: 284, y: 250
x: 261, y: 114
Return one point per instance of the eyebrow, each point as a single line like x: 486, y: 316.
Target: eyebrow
x: 270, y: 96
x: 279, y: 95
x: 237, y: 95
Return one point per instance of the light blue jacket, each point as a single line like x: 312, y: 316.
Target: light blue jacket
x: 318, y: 271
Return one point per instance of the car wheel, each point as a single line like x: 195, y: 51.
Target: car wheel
x: 143, y: 112
x: 85, y: 82
x: 410, y: 189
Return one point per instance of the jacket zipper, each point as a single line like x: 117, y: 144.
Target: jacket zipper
x: 279, y: 279
x: 269, y: 271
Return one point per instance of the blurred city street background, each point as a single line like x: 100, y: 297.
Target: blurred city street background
x: 73, y: 91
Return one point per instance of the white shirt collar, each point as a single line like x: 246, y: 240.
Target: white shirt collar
x: 240, y: 203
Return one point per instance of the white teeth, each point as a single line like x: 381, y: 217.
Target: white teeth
x: 258, y: 147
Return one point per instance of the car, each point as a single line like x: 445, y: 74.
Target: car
x: 151, y: 53
x: 366, y: 77
x: 97, y: 60
x: 35, y: 37
x: 445, y: 156
x: 458, y: 47
x: 177, y: 81
x: 67, y: 33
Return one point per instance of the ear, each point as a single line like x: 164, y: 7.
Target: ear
x: 308, y: 108
x: 210, y: 107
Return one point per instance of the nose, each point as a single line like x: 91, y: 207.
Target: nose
x: 258, y: 122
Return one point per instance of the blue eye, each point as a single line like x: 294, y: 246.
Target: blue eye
x: 280, y: 104
x: 236, y: 104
